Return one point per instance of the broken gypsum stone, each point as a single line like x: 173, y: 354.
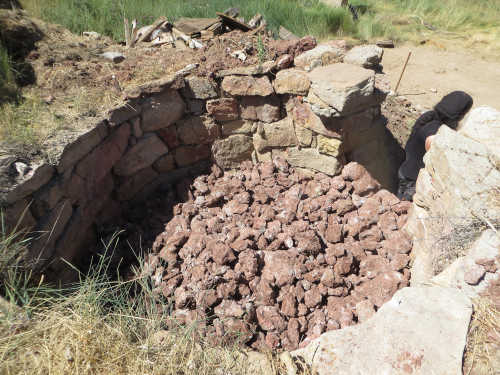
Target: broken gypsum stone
x: 239, y: 55
x: 192, y: 43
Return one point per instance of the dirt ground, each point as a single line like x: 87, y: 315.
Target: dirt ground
x: 435, y: 70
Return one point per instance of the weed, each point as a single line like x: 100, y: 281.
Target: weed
x: 106, y: 16
x: 398, y: 20
x: 261, y: 50
x: 14, y: 276
x: 411, y: 19
x: 8, y: 88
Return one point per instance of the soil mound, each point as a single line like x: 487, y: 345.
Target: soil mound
x: 272, y: 255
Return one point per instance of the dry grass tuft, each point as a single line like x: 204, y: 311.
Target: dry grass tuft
x: 71, y: 340
x: 74, y: 334
x: 483, y: 345
x: 104, y: 326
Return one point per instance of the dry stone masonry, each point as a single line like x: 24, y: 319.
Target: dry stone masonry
x: 453, y: 224
x: 180, y: 124
x: 291, y: 241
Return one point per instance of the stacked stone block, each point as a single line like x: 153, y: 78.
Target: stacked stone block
x: 177, y: 126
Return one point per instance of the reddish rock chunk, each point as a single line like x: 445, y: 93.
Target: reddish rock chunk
x: 270, y: 319
x: 221, y: 253
x: 312, y: 297
x: 289, y: 305
x: 279, y: 255
x: 225, y: 109
x: 334, y: 232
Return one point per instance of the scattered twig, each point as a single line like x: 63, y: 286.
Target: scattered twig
x: 255, y: 21
x: 187, y: 69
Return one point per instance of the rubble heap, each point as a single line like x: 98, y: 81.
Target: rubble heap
x: 275, y: 255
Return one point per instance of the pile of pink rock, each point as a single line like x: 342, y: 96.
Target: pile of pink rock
x: 275, y: 256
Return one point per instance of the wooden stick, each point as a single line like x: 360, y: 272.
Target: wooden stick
x: 127, y: 32
x: 133, y: 34
x: 402, y: 72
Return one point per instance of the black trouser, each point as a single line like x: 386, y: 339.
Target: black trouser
x: 406, y: 187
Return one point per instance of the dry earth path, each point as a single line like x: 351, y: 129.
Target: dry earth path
x: 432, y: 72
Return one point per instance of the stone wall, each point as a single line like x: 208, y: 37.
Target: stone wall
x: 453, y: 223
x: 457, y: 194
x: 180, y: 124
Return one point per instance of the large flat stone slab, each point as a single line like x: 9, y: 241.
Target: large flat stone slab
x: 420, y: 331
x: 482, y: 124
x: 310, y: 158
x: 457, y: 189
x: 477, y: 270
x: 347, y: 88
x: 142, y: 155
x: 231, y: 151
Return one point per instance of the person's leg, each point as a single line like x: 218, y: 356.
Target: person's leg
x: 406, y: 187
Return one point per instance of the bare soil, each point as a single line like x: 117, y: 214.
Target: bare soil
x: 75, y: 85
x: 435, y: 70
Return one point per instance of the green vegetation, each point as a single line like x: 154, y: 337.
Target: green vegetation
x: 106, y: 16
x: 398, y: 19
x: 8, y: 87
x: 410, y: 19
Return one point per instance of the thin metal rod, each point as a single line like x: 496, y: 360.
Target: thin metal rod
x: 402, y: 72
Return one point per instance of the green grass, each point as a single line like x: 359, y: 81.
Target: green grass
x: 106, y: 16
x: 396, y: 19
x: 410, y: 19
x: 8, y: 87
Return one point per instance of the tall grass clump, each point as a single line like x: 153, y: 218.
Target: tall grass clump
x: 106, y: 16
x: 8, y: 87
x: 106, y: 324
x: 407, y: 19
x: 15, y: 276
